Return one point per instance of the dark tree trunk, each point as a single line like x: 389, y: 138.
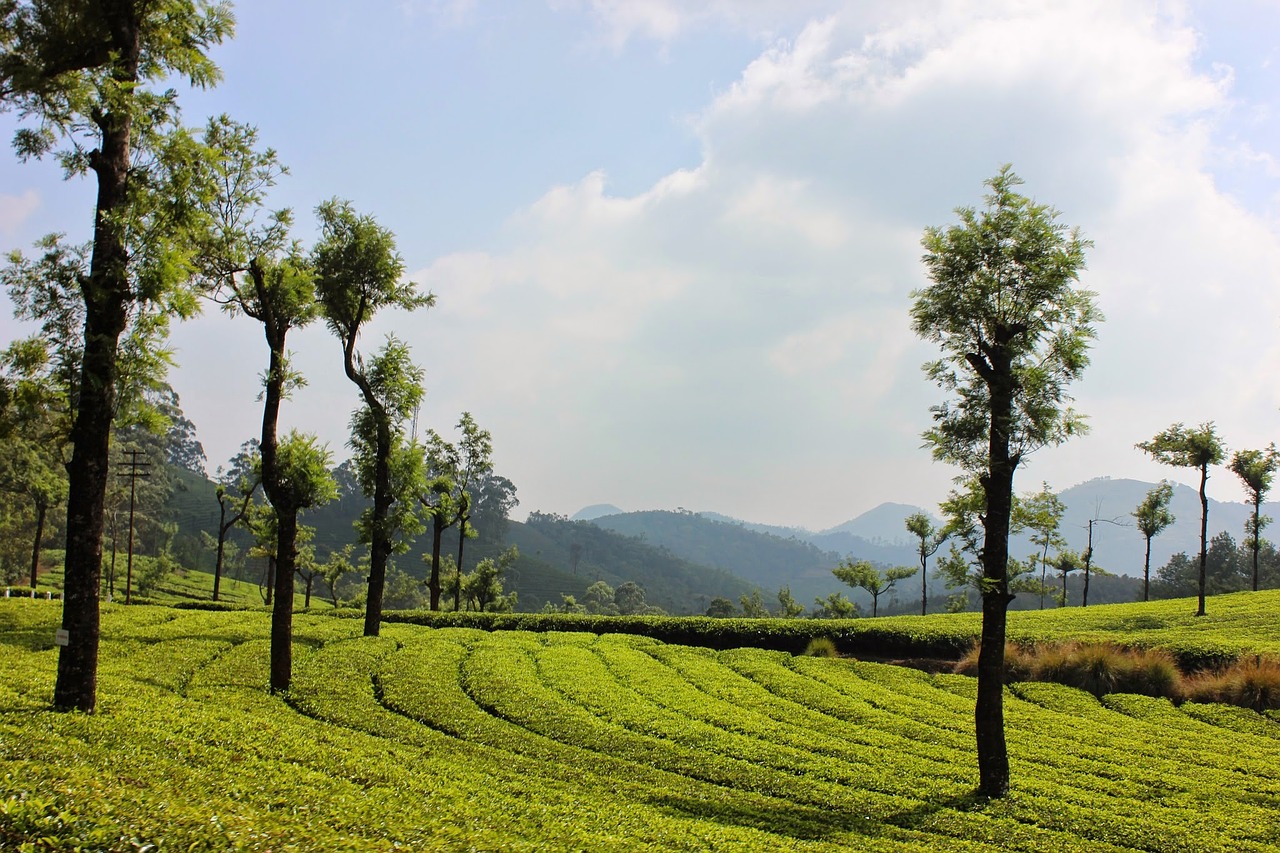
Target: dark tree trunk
x: 433, y: 583
x: 106, y: 296
x: 1204, y: 536
x: 1146, y: 573
x: 42, y: 510
x: 1257, y: 536
x: 282, y: 610
x: 924, y: 583
x: 223, y: 527
x: 993, y: 756
x: 1088, y: 563
x: 457, y: 582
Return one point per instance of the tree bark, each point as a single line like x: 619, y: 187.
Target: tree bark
x: 1146, y: 573
x: 1257, y: 535
x: 222, y: 538
x: 993, y: 756
x: 42, y: 510
x: 1204, y: 536
x: 457, y: 583
x: 433, y: 583
x: 282, y: 610
x: 106, y: 296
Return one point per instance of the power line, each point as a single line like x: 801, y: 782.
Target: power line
x: 133, y: 470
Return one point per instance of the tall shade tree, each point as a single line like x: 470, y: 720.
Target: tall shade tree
x: 85, y: 74
x: 1256, y: 470
x: 359, y: 273
x: 1041, y: 513
x: 1152, y: 518
x: 1185, y: 447
x: 928, y: 540
x: 1015, y: 328
x: 860, y: 573
x: 253, y: 269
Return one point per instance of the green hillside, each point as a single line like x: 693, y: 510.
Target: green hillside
x: 675, y: 584
x: 457, y: 739
x: 766, y: 559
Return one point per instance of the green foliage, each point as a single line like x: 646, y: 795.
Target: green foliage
x: 303, y: 465
x: 834, y: 606
x: 861, y: 573
x: 753, y: 605
x: 454, y: 739
x: 721, y: 608
x: 1186, y: 447
x: 1004, y: 290
x: 788, y: 607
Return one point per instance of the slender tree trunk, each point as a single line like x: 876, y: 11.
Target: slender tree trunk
x: 282, y: 610
x: 1088, y: 562
x: 269, y: 595
x: 1146, y: 573
x: 457, y: 583
x: 42, y: 509
x: 993, y: 756
x: 924, y: 582
x: 1257, y: 536
x: 433, y: 583
x: 222, y: 538
x: 1204, y: 537
x: 106, y: 296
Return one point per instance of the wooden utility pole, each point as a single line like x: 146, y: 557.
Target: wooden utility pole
x: 133, y: 469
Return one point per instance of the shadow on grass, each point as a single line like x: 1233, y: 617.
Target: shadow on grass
x: 812, y: 823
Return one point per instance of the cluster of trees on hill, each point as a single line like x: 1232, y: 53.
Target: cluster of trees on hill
x: 180, y: 215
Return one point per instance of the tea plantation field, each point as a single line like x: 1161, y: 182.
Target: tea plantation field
x: 459, y: 739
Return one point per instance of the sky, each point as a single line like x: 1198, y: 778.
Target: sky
x: 673, y: 243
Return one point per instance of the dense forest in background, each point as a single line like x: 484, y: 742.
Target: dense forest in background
x: 681, y: 560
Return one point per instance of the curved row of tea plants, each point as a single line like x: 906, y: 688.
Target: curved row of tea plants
x: 460, y: 738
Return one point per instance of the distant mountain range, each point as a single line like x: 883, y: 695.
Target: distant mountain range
x: 773, y: 555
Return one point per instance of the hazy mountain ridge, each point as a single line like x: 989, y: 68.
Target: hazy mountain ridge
x: 880, y: 534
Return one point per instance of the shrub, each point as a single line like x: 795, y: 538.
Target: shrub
x: 1099, y: 668
x: 1251, y: 683
x: 822, y: 647
x: 1018, y: 662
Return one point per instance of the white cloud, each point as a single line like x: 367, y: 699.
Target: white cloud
x: 15, y: 210
x: 752, y: 312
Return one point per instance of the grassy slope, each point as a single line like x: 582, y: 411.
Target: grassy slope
x: 186, y: 585
x: 460, y: 739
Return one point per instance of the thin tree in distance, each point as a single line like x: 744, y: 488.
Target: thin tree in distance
x: 928, y: 540
x: 1152, y: 518
x: 1256, y: 470
x: 1042, y: 515
x: 861, y: 573
x: 1197, y: 448
x: 1015, y: 331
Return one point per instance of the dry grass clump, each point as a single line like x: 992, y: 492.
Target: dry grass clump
x: 822, y: 647
x: 1250, y: 683
x: 1099, y: 668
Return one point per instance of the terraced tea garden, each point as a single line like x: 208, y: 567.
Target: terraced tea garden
x: 457, y: 738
